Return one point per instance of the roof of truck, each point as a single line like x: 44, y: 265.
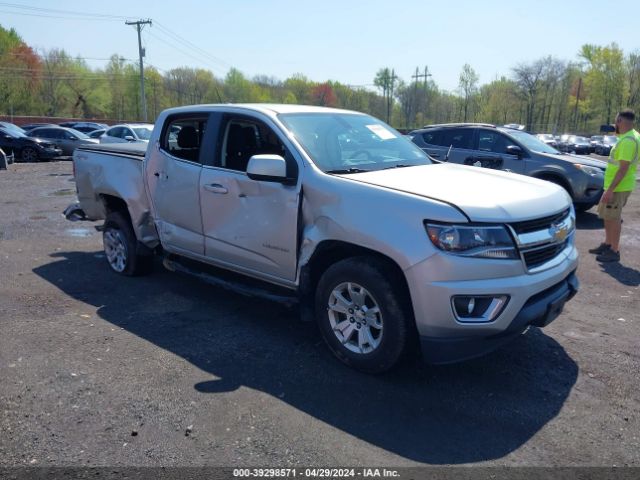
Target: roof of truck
x: 266, y: 108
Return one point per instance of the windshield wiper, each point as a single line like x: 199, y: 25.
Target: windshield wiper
x: 400, y: 165
x: 348, y: 170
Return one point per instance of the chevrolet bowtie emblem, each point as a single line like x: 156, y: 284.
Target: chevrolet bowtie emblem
x: 559, y: 232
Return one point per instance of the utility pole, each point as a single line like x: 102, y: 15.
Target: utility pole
x: 416, y: 78
x: 390, y: 82
x: 575, y: 110
x: 139, y: 25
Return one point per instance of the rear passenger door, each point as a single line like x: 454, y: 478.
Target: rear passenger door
x: 454, y: 141
x: 491, y: 152
x: 172, y: 173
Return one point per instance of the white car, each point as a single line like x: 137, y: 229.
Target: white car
x: 131, y: 132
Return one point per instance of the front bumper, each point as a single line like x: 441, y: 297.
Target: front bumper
x: 49, y: 153
x: 539, y: 311
x: 433, y: 282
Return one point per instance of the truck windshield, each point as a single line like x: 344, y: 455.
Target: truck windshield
x: 351, y: 143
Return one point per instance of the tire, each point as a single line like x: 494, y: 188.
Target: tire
x: 581, y: 207
x: 29, y: 154
x: 376, y: 342
x: 120, y: 247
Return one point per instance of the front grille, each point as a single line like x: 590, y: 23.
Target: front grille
x: 529, y: 226
x: 536, y: 257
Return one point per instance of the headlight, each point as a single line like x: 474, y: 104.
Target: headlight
x: 473, y: 241
x: 593, y: 171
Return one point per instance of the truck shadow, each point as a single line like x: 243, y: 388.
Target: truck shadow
x: 588, y: 221
x: 478, y: 410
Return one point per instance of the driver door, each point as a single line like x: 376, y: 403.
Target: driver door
x: 491, y: 152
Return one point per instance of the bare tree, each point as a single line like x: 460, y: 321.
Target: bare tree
x: 468, y: 87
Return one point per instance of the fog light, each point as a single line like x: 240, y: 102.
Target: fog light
x: 478, y: 308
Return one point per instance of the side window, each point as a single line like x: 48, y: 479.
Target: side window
x: 182, y: 137
x: 244, y: 138
x: 432, y: 138
x: 126, y: 132
x: 58, y: 134
x: 68, y: 135
x: 115, y: 132
x: 494, y: 142
x: 456, y: 137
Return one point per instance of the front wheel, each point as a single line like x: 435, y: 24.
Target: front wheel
x: 29, y: 154
x: 120, y: 247
x: 360, y: 315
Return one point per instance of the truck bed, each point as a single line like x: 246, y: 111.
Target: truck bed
x: 137, y: 150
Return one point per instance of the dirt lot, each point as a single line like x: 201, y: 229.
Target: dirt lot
x: 97, y: 369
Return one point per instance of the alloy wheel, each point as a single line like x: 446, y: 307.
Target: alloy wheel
x: 355, y: 318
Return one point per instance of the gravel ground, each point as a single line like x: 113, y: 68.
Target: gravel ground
x: 101, y: 370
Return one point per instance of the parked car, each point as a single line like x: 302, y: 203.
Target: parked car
x: 87, y: 127
x: 30, y: 126
x: 11, y: 126
x: 577, y: 145
x: 67, y: 124
x: 548, y: 139
x: 29, y: 149
x: 67, y: 139
x: 132, y: 132
x: 384, y: 248
x: 604, y: 147
x: 594, y: 140
x: 488, y: 146
x: 97, y: 133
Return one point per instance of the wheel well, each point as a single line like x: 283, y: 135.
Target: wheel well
x: 330, y: 252
x: 558, y: 180
x: 115, y: 204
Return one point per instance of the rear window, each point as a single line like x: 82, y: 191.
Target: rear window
x: 455, y: 137
x: 183, y: 136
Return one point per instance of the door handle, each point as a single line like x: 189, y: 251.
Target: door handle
x: 215, y: 188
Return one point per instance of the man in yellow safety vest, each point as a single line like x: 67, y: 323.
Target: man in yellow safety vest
x: 619, y: 182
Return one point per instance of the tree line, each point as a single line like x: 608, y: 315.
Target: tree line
x: 546, y: 95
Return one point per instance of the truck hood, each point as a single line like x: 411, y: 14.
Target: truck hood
x: 484, y: 195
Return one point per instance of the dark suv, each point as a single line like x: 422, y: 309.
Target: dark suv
x: 488, y: 146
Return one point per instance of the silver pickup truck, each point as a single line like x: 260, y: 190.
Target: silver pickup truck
x: 385, y: 249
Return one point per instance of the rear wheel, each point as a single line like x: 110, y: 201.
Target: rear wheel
x: 29, y: 154
x: 120, y: 247
x: 360, y: 315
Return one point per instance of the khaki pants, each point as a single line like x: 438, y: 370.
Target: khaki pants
x: 613, y: 210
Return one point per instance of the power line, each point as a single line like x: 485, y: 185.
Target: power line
x: 182, y: 51
x: 191, y: 45
x: 57, y: 57
x: 53, y: 16
x: 75, y: 14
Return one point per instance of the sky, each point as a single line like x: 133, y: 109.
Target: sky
x: 346, y: 41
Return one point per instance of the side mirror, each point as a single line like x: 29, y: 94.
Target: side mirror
x: 515, y: 150
x: 129, y: 138
x: 267, y: 168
